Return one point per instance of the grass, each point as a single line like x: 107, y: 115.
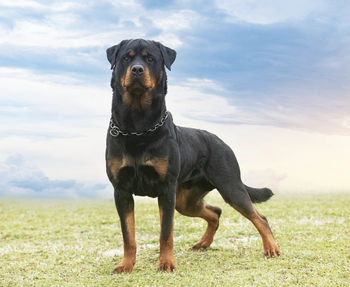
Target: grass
x: 77, y: 243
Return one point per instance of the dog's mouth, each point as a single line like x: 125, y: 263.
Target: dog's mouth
x: 136, y: 87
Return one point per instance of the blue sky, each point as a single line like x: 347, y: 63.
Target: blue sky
x: 279, y: 69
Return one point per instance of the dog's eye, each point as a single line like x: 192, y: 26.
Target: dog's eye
x: 149, y: 59
x: 126, y: 58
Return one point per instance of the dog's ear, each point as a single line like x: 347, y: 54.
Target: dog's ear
x: 168, y: 54
x: 112, y: 53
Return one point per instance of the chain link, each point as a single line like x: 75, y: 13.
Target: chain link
x: 116, y: 131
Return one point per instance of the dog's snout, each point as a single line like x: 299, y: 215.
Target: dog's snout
x: 137, y: 70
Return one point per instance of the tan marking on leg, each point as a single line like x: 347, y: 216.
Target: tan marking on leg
x: 198, y: 208
x: 166, y: 254
x: 271, y: 249
x: 213, y: 224
x: 129, y: 258
x: 181, y: 200
x: 160, y: 164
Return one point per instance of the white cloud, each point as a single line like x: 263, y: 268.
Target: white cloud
x: 57, y: 32
x: 281, y: 158
x: 269, y: 11
x: 311, y: 111
x: 20, y: 178
x: 58, y: 122
x: 47, y: 6
x: 179, y: 20
x: 62, y: 26
x: 21, y: 4
x: 48, y: 93
x: 60, y: 130
x: 48, y: 122
x: 288, y: 161
x: 191, y: 102
x: 60, y: 6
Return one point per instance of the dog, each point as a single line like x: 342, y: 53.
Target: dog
x: 148, y: 155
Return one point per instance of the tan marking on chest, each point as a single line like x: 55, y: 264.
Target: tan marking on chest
x: 160, y: 164
x: 115, y: 164
x: 127, y: 99
x: 137, y: 101
x: 146, y: 100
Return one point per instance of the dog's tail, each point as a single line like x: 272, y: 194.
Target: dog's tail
x: 258, y: 195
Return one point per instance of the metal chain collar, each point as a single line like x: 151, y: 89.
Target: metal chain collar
x: 116, y: 131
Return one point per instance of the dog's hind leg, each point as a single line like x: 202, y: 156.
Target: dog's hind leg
x: 190, y: 202
x: 239, y: 199
x: 223, y: 172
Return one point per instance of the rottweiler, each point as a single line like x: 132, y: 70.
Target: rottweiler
x: 148, y: 155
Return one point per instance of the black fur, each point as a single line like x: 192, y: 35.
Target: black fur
x: 258, y: 195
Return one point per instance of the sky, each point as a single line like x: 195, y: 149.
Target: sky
x: 271, y: 78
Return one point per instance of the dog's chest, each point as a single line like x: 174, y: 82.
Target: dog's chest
x: 140, y: 174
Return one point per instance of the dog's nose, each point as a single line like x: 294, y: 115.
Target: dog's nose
x: 137, y: 70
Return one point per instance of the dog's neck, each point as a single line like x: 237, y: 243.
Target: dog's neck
x: 138, y: 119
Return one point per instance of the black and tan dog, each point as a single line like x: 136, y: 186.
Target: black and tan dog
x: 148, y: 155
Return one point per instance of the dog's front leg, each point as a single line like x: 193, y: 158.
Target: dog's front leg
x: 125, y: 207
x: 166, y: 203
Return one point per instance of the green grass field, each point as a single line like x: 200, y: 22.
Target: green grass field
x: 77, y: 243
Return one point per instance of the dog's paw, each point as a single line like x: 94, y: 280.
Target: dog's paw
x: 199, y: 246
x: 272, y: 251
x: 125, y: 266
x: 167, y: 266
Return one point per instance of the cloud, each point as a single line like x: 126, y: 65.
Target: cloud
x: 71, y: 37
x: 55, y: 122
x: 314, y: 110
x: 21, y: 4
x: 68, y: 28
x: 266, y: 12
x: 62, y: 147
x: 241, y: 66
x: 51, y: 96
x: 20, y: 178
x: 289, y: 161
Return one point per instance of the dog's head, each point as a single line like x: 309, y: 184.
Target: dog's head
x: 138, y: 67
